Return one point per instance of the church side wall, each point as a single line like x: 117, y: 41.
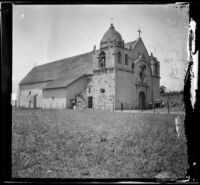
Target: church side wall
x: 54, y: 98
x: 62, y: 96
x: 104, y: 80
x: 125, y: 90
x: 26, y: 93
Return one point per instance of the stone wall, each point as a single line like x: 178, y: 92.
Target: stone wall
x: 82, y: 99
x: 104, y: 79
x: 76, y: 89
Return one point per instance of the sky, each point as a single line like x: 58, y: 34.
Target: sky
x: 46, y: 33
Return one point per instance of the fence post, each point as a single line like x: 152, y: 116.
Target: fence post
x: 55, y: 118
x: 168, y: 105
x: 42, y: 116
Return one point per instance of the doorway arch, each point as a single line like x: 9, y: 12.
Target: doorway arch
x: 141, y: 100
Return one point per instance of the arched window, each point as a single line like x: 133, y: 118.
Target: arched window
x: 102, y: 60
x: 133, y: 65
x: 126, y: 59
x: 102, y: 90
x: 156, y: 69
x: 119, y: 57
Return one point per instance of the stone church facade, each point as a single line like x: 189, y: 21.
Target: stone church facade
x: 116, y: 76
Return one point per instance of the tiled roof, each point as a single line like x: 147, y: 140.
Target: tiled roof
x: 59, y: 69
x: 70, y: 77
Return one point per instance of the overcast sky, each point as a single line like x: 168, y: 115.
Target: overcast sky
x: 45, y: 33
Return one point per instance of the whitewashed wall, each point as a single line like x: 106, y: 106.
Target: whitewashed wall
x: 24, y: 97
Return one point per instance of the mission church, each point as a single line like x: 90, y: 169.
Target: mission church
x: 116, y: 76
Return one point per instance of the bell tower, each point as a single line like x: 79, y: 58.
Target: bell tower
x: 155, y: 67
x: 104, y: 63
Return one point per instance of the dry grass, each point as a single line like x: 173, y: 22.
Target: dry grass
x: 87, y: 144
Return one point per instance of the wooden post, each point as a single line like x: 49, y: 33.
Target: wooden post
x: 168, y: 103
x: 56, y: 118
x: 42, y: 116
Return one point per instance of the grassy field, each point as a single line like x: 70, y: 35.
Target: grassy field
x: 88, y: 144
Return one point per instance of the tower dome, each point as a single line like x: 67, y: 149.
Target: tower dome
x: 111, y: 35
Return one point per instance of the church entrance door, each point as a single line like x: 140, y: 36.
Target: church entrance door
x: 90, y: 102
x: 141, y: 100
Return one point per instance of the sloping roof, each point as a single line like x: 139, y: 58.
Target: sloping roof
x: 60, y: 73
x: 132, y: 44
x: 58, y: 69
x: 70, y: 77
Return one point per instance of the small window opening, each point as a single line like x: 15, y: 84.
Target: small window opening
x: 156, y: 68
x: 119, y: 58
x: 133, y: 65
x: 52, y: 97
x: 102, y: 90
x: 126, y: 59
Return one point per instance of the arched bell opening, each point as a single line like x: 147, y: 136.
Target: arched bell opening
x: 102, y: 60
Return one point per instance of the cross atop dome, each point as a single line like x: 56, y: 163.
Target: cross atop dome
x: 139, y: 31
